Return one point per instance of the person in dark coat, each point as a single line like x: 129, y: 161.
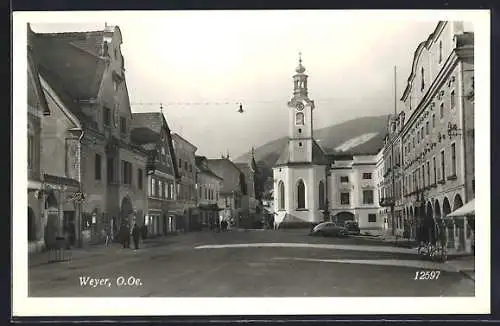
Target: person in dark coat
x: 135, y: 236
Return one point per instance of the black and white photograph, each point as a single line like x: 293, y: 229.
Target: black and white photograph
x: 251, y: 162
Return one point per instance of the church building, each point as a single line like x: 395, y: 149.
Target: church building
x: 310, y: 185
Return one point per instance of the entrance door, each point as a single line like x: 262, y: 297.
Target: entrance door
x: 69, y: 226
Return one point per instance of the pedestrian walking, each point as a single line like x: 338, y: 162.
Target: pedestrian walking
x: 135, y: 236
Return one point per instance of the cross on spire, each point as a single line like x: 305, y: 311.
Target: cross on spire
x: 300, y: 57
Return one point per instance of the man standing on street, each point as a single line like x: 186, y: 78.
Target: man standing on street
x: 135, y: 236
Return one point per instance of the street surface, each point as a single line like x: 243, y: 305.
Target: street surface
x: 247, y: 264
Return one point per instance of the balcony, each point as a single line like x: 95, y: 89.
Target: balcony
x: 386, y: 202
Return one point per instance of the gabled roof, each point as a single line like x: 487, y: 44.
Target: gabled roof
x: 229, y: 172
x: 319, y: 157
x: 79, y: 70
x: 33, y: 66
x: 147, y: 130
x: 202, y: 166
x: 91, y: 41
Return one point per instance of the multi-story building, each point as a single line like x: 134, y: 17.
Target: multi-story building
x: 392, y: 183
x: 151, y: 131
x: 438, y: 134
x: 86, y: 70
x: 383, y: 212
x: 185, y: 153
x: 310, y: 184
x: 233, y: 189
x: 37, y: 108
x: 209, y: 186
x: 353, y: 191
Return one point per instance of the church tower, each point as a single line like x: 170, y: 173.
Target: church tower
x: 300, y: 122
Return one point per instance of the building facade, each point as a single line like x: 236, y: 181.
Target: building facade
x: 151, y: 131
x: 37, y: 109
x: 311, y: 185
x: 208, y: 192
x: 86, y: 70
x: 438, y: 135
x: 232, y: 191
x: 185, y: 153
x: 353, y: 191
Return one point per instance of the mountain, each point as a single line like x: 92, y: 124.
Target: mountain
x: 358, y: 136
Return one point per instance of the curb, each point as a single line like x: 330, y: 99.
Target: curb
x: 466, y: 274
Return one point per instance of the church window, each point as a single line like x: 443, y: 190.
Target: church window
x: 321, y: 194
x: 301, y: 195
x: 281, y: 194
x: 300, y: 130
x: 300, y: 144
x: 299, y: 118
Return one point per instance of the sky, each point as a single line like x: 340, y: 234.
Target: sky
x: 200, y: 65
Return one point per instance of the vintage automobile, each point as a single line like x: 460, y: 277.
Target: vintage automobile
x: 352, y: 227
x: 328, y: 229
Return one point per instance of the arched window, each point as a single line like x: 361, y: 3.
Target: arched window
x: 299, y: 118
x: 281, y: 195
x: 301, y: 194
x: 322, y: 194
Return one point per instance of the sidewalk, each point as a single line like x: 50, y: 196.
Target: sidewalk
x: 91, y: 251
x: 464, y: 265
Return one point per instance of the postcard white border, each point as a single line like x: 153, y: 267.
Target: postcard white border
x: 480, y: 304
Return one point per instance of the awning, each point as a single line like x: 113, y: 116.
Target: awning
x: 467, y: 209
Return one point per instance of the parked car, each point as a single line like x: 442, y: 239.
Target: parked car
x: 330, y: 229
x: 352, y: 227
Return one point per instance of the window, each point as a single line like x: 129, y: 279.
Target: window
x: 452, y: 99
x: 205, y: 196
x: 115, y: 85
x: 344, y: 198
x: 442, y: 165
x: 152, y: 187
x: 428, y: 165
x: 156, y: 188
x: 418, y: 137
x: 367, y: 176
x: 110, y: 165
x: 107, y: 117
x: 433, y: 120
x: 126, y: 173
x: 453, y: 160
x: 163, y: 184
x: 97, y: 167
x: 190, y: 168
x: 344, y: 179
x: 180, y: 163
x: 427, y: 127
x: 301, y: 195
x: 423, y: 175
x: 186, y: 166
x: 367, y: 196
x: 31, y: 151
x: 441, y: 111
x: 422, y: 77
x: 123, y: 125
x: 299, y: 118
x: 139, y: 178
x: 160, y: 189
x: 440, y: 51
x: 372, y: 218
x: 321, y: 194
x: 163, y: 154
x: 434, y: 168
x: 422, y: 133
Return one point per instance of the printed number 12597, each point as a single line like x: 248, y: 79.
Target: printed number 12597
x: 427, y: 275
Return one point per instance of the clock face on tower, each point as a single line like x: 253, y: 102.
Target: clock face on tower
x: 299, y: 106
